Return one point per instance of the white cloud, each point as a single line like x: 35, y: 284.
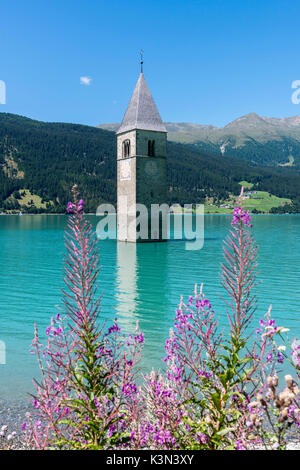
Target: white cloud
x: 85, y: 81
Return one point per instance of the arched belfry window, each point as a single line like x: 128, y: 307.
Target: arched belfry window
x: 151, y: 148
x: 126, y: 148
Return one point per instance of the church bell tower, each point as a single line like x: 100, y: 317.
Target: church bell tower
x: 141, y: 168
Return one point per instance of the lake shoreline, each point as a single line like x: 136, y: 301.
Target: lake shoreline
x: 13, y: 416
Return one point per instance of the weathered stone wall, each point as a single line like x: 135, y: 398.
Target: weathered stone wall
x: 126, y: 187
x: 151, y: 180
x: 120, y: 139
x: 142, y: 179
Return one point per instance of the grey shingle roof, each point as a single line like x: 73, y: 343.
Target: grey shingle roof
x: 142, y: 112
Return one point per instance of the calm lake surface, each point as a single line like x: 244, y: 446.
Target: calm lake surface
x: 139, y: 282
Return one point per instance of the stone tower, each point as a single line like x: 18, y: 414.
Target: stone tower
x: 141, y: 168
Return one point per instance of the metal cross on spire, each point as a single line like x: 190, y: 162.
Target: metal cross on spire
x: 142, y: 59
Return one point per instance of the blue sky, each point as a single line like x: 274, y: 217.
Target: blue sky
x: 206, y: 61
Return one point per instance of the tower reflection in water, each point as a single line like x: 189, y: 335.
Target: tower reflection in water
x: 142, y: 280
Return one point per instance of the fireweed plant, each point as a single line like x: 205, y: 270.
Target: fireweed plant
x: 218, y: 388
x: 216, y: 377
x: 87, y: 372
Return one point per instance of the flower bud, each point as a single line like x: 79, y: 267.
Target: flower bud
x: 261, y: 400
x: 277, y: 403
x: 286, y: 397
x: 253, y: 404
x: 289, y: 380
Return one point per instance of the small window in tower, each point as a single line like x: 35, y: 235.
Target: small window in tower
x: 151, y: 148
x: 126, y: 148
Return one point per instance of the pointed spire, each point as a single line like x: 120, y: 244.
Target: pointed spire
x: 142, y: 112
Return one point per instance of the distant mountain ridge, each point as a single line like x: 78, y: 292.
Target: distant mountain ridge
x: 260, y: 140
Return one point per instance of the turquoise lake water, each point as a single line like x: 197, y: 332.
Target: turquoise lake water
x: 139, y: 282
